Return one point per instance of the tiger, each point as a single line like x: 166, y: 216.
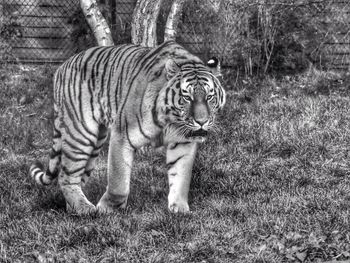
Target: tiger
x: 135, y: 96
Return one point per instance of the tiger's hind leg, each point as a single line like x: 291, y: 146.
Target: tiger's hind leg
x: 70, y: 181
x: 75, y: 161
x: 90, y: 166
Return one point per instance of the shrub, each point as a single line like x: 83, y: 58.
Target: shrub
x: 259, y: 37
x: 9, y: 31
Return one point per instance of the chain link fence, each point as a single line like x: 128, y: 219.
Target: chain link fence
x: 253, y: 36
x: 37, y: 30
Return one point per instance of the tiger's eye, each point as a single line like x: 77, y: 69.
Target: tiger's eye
x: 187, y: 98
x: 209, y: 97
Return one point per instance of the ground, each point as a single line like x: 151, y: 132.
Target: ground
x: 271, y: 185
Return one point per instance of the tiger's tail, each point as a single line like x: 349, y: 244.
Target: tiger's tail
x: 36, y: 170
x: 41, y: 177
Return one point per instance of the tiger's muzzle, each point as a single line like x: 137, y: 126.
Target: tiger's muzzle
x: 200, y: 120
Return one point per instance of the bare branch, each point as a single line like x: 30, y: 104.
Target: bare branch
x: 173, y: 20
x: 144, y: 22
x: 97, y: 22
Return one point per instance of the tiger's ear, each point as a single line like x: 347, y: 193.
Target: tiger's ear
x: 214, y: 66
x: 171, y: 68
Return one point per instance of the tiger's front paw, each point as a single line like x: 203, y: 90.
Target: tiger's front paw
x: 179, y: 207
x: 110, y: 203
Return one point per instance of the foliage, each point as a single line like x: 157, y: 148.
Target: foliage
x: 272, y: 185
x: 259, y: 37
x: 9, y: 31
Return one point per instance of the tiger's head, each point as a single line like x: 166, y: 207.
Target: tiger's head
x: 190, y: 100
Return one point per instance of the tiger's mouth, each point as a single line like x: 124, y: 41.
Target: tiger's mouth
x: 198, y: 135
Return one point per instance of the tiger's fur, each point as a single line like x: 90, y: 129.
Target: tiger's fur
x: 141, y: 96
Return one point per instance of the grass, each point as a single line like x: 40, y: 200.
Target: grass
x: 271, y: 186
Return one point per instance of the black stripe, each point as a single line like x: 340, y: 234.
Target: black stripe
x: 173, y: 96
x: 67, y: 172
x: 54, y: 153
x: 166, y: 96
x: 170, y: 164
x: 91, y: 103
x: 105, y: 67
x: 157, y: 52
x: 148, y: 60
x: 145, y: 61
x: 103, y: 133
x: 75, y: 148
x: 192, y: 78
x: 76, y: 69
x: 36, y: 172
x: 94, y: 154
x: 98, y: 60
x: 119, y: 77
x: 72, y: 136
x: 73, y: 79
x: 88, y: 58
x: 177, y: 144
x: 81, y: 60
x: 52, y: 175
x: 156, y: 75
x: 67, y: 88
x: 56, y: 133
x: 98, y: 148
x: 140, y: 128
x: 141, y: 102
x: 75, y: 159
x: 71, y: 61
x: 155, y: 113
x: 77, y: 129
x: 130, y: 86
x: 82, y: 119
x: 110, y: 74
x: 42, y: 181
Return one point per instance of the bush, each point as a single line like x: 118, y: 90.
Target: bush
x: 259, y: 37
x: 9, y: 31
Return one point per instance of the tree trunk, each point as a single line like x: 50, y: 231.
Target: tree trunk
x: 173, y: 20
x: 144, y: 23
x: 97, y: 22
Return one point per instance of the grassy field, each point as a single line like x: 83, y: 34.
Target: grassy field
x: 273, y: 185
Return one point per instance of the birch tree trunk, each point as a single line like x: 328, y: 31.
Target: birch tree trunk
x: 97, y: 22
x: 173, y: 20
x: 144, y: 23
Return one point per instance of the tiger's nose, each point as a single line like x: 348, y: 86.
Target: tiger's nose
x: 200, y: 113
x: 201, y: 119
x: 201, y: 122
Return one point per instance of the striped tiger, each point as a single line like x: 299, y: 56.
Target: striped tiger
x: 139, y: 96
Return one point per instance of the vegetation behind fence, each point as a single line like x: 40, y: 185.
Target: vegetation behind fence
x: 252, y: 36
